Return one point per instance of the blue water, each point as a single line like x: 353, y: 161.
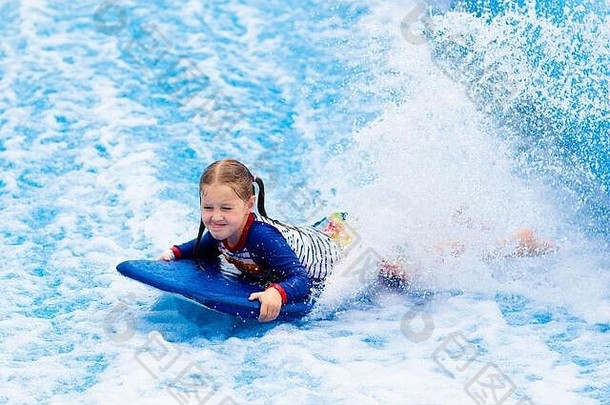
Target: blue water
x: 556, y: 97
x: 428, y: 122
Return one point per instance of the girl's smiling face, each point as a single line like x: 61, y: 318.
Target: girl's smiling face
x: 224, y: 214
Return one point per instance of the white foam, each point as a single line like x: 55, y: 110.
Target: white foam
x: 74, y: 331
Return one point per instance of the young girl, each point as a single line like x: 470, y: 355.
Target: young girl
x: 290, y: 261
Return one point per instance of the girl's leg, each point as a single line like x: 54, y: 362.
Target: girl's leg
x: 522, y: 243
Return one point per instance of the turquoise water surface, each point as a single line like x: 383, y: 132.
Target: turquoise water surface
x: 429, y: 122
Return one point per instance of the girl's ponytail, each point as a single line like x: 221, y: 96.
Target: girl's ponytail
x: 259, y: 191
x: 199, y: 236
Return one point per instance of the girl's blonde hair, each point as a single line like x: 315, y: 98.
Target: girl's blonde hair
x: 234, y: 174
x: 238, y: 177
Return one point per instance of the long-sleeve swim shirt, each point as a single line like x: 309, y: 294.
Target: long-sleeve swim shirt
x: 289, y: 258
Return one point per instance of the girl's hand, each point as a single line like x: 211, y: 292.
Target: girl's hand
x: 167, y: 256
x: 271, y: 303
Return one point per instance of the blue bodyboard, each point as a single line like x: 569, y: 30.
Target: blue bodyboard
x: 208, y: 287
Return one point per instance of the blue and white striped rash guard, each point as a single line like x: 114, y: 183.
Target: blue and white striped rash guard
x: 293, y: 258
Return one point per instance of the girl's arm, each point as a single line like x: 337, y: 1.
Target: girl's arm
x: 270, y: 250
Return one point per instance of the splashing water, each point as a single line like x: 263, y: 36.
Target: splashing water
x: 494, y: 118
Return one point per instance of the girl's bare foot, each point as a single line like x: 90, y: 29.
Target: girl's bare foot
x: 530, y: 245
